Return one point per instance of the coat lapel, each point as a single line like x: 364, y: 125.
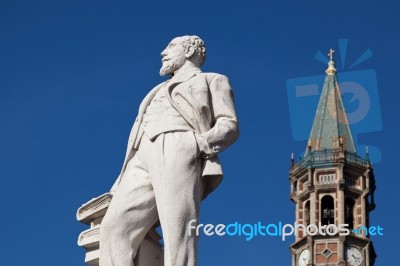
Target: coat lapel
x: 175, y: 81
x: 146, y: 101
x: 171, y: 83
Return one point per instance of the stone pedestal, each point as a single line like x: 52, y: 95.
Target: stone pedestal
x: 150, y: 252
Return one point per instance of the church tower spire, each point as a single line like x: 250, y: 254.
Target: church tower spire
x: 332, y: 187
x: 331, y: 128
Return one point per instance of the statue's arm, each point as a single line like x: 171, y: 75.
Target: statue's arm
x: 225, y: 128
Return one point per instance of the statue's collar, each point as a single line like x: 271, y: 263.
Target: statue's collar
x: 184, y: 74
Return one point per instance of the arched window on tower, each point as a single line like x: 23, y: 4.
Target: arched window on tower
x: 349, y: 212
x: 327, y: 210
x: 307, y: 213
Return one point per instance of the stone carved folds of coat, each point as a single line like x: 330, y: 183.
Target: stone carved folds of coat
x: 205, y: 101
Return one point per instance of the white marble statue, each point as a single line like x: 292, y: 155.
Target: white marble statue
x: 171, y: 163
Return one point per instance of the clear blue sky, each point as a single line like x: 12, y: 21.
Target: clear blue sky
x: 72, y: 75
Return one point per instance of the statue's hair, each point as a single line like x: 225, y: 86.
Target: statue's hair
x: 198, y: 45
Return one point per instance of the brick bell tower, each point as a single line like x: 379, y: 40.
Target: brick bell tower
x: 330, y: 186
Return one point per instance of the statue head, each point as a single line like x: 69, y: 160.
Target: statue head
x: 180, y: 51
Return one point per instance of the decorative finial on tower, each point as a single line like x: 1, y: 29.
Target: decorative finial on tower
x: 292, y: 158
x: 366, y: 153
x: 331, y: 65
x: 341, y: 143
x: 330, y: 54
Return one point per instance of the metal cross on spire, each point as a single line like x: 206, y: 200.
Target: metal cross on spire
x: 330, y: 54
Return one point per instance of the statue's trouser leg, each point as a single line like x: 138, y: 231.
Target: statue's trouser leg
x: 166, y: 171
x: 131, y: 214
x: 177, y: 186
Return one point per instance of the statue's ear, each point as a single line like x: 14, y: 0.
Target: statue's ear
x: 189, y: 50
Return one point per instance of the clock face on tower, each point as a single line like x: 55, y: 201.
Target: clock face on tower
x: 353, y: 256
x: 304, y: 257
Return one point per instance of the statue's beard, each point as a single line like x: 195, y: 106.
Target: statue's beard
x: 172, y: 65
